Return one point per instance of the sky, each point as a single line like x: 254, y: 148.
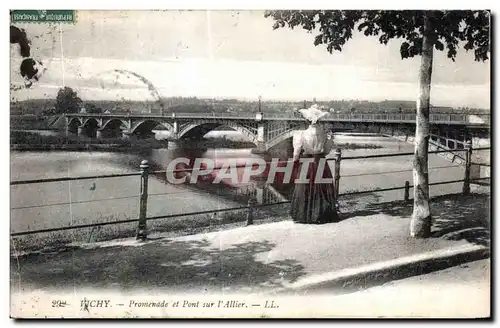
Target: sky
x: 230, y: 54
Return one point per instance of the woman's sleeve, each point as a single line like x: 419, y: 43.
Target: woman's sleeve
x: 328, y: 147
x: 297, y: 144
x: 327, y: 143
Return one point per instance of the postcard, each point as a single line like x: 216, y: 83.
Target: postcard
x: 250, y: 164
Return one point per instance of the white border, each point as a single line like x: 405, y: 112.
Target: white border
x: 191, y: 4
x: 259, y: 4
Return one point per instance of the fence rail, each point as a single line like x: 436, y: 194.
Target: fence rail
x: 118, y: 175
x: 62, y: 179
x: 143, y: 195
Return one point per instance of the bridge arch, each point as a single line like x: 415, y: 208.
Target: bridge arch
x: 112, y: 128
x: 191, y: 130
x: 75, y: 121
x: 114, y: 123
x: 148, y: 126
x: 87, y: 127
x: 279, y: 139
x: 90, y: 122
x: 72, y: 125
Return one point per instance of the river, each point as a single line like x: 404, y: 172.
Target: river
x: 45, y: 205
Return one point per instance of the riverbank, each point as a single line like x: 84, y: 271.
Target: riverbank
x: 27, y: 141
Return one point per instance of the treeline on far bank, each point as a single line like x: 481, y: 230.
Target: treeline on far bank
x: 67, y: 101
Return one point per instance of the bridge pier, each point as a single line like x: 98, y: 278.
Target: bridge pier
x: 260, y: 149
x: 173, y: 144
x: 260, y: 186
x: 82, y: 132
x: 450, y: 143
x: 87, y: 132
x: 175, y: 125
x: 261, y: 136
x: 70, y: 131
x: 126, y: 135
x: 259, y: 195
x: 108, y: 133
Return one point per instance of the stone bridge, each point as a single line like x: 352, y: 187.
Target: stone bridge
x: 448, y: 131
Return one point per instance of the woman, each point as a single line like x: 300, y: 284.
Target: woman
x: 312, y: 202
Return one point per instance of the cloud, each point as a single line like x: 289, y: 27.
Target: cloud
x: 149, y: 80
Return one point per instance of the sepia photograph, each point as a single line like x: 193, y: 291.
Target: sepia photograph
x: 223, y: 163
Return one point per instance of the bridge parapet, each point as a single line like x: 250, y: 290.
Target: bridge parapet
x: 436, y: 118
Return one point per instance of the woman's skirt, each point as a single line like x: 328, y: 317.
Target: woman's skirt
x: 314, y: 202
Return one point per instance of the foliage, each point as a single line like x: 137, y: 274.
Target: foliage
x: 67, y: 101
x: 92, y: 108
x: 451, y: 28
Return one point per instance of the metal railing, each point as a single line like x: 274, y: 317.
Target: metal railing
x: 145, y: 173
x: 436, y: 118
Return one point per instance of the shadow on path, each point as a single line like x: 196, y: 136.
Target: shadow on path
x: 455, y: 217
x: 190, y: 265
x: 199, y: 266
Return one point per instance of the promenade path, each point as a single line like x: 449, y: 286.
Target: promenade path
x: 262, y: 258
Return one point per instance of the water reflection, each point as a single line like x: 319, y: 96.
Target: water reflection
x: 360, y: 174
x: 235, y: 189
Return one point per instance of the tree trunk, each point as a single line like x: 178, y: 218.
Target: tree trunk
x: 420, y: 225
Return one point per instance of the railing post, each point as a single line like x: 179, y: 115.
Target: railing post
x: 251, y: 209
x: 142, y: 233
x: 407, y: 191
x: 338, y: 158
x: 468, y: 160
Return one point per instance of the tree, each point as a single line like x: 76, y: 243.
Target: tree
x: 92, y: 108
x: 67, y: 101
x: 421, y: 32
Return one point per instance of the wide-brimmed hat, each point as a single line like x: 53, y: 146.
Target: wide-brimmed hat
x: 313, y: 113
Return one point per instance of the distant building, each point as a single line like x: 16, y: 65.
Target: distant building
x: 83, y: 110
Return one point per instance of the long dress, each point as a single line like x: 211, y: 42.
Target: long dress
x: 312, y: 202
